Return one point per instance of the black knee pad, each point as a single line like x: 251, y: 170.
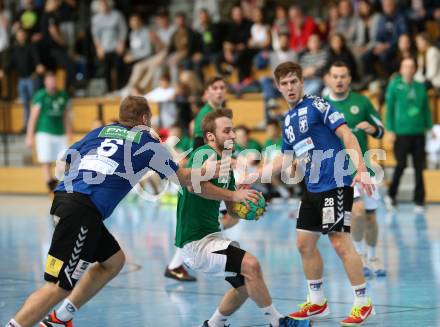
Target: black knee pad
x: 234, y: 258
x: 236, y: 281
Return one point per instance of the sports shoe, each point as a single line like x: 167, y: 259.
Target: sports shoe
x: 390, y: 203
x: 290, y: 322
x: 376, y: 266
x: 205, y: 324
x: 311, y: 310
x: 419, y: 208
x: 52, y: 321
x: 359, y: 314
x: 368, y: 272
x: 179, y: 274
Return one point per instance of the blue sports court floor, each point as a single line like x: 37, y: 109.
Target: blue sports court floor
x: 141, y: 296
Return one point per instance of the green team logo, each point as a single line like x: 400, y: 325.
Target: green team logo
x: 117, y: 132
x: 354, y: 110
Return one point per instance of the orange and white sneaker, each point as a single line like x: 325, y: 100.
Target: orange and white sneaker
x: 310, y: 310
x: 52, y: 321
x: 359, y: 314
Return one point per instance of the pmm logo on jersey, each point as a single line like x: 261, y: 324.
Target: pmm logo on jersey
x: 116, y: 132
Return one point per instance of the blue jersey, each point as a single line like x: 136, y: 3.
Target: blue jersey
x: 109, y: 161
x: 309, y: 132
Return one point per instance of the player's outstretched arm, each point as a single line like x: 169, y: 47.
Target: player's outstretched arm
x: 274, y: 167
x: 350, y: 142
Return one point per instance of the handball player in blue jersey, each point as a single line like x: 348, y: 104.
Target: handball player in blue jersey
x: 102, y: 168
x: 316, y: 134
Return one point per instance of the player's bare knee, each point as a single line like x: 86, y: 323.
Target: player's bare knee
x: 340, y: 246
x: 371, y: 216
x: 114, y: 264
x: 251, y: 267
x: 304, y: 248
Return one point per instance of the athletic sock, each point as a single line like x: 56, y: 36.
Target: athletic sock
x: 316, y: 291
x: 359, y: 246
x: 66, y: 311
x: 360, y: 295
x: 371, y: 251
x: 217, y: 319
x: 13, y: 323
x: 177, y: 259
x: 272, y: 315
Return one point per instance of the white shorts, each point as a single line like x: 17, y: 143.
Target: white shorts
x: 48, y: 146
x: 370, y: 202
x: 199, y: 255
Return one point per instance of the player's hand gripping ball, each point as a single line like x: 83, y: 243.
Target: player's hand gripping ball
x: 253, y: 211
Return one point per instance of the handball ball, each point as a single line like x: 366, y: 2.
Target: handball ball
x: 254, y: 212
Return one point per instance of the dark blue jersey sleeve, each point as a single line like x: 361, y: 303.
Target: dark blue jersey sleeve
x: 329, y: 114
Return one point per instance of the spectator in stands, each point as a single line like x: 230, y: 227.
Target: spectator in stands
x: 419, y: 12
x: 347, y: 22
x: 339, y: 51
x: 270, y: 91
x: 408, y: 117
x: 248, y: 7
x: 28, y: 17
x: 279, y: 26
x: 367, y: 28
x: 313, y: 61
x: 53, y: 46
x: 139, y: 43
x: 259, y: 42
x: 26, y: 62
x: 188, y: 92
x: 405, y: 49
x: 68, y: 15
x: 185, y: 45
x: 428, y: 62
x: 164, y: 95
x: 212, y: 9
x: 211, y: 45
x: 147, y: 70
x: 109, y: 31
x: 235, y: 47
x: 5, y: 18
x: 331, y: 21
x: 49, y: 126
x: 300, y: 28
x: 391, y: 25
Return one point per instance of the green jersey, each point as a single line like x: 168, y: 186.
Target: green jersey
x: 408, y: 111
x: 52, y: 108
x: 197, y: 216
x: 271, y: 151
x: 357, y: 108
x: 270, y: 142
x: 252, y: 144
x: 184, y: 144
x: 206, y: 109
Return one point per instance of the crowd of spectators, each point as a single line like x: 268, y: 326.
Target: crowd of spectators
x: 168, y: 57
x: 131, y: 53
